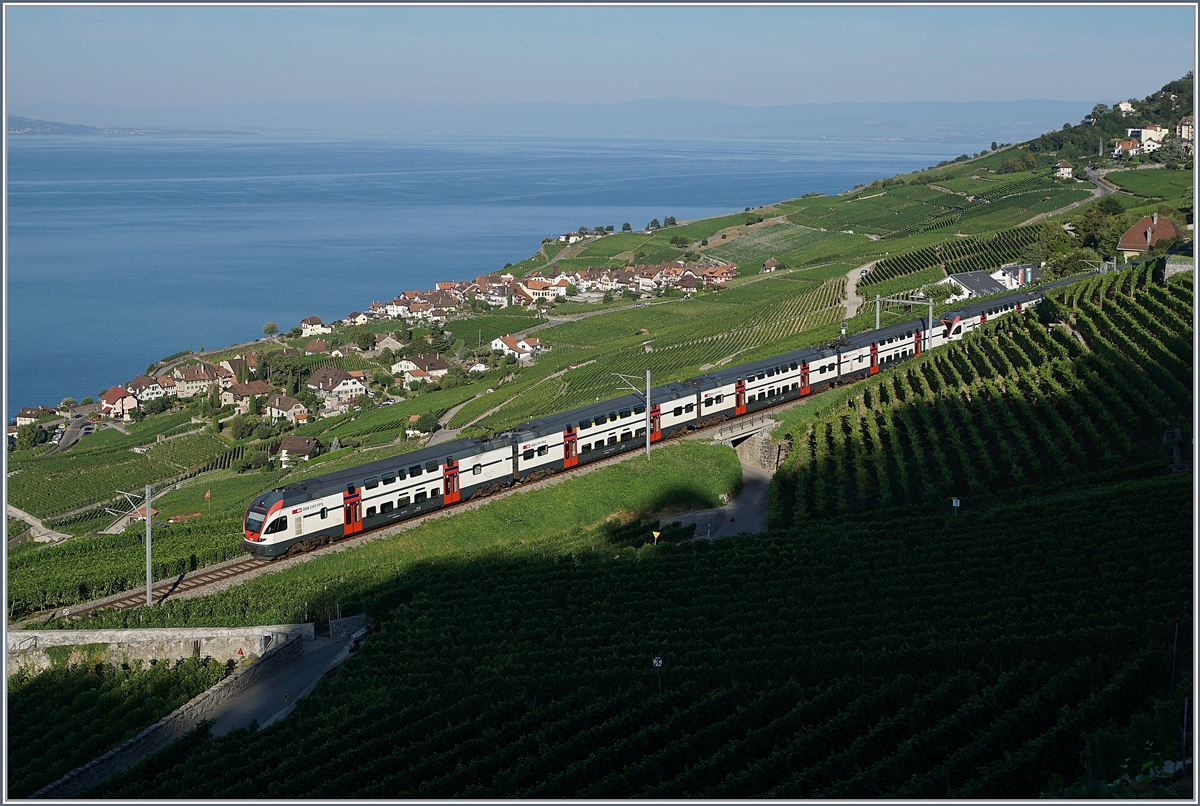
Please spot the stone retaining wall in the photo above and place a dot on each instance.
(342, 628)
(175, 724)
(37, 650)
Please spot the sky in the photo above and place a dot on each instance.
(110, 60)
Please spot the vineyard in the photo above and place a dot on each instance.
(967, 254)
(851, 658)
(64, 717)
(1016, 404)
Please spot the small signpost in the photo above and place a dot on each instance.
(656, 534)
(954, 503)
(658, 671)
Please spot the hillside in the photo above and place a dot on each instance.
(874, 643)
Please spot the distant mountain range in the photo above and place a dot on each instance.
(19, 125)
(944, 121)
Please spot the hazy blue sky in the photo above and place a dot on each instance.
(123, 57)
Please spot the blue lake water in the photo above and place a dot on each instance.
(123, 250)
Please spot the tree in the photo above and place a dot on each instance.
(608, 228)
(150, 369)
(1072, 262)
(608, 297)
(68, 403)
(387, 357)
(994, 145)
(241, 427)
(572, 290)
(30, 436)
(365, 340)
(653, 224)
(583, 230)
(669, 221)
(381, 379)
(626, 228)
(87, 401)
(263, 431)
(270, 328)
(426, 422)
(242, 374)
(1052, 240)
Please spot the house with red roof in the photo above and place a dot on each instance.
(1147, 232)
(117, 403)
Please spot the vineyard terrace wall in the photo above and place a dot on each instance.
(37, 650)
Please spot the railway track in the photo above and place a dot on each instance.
(194, 583)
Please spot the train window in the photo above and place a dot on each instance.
(771, 373)
(625, 413)
(720, 399)
(641, 432)
(370, 512)
(389, 477)
(528, 454)
(350, 489)
(626, 436)
(586, 448)
(639, 409)
(435, 492)
(585, 424)
(795, 387)
(957, 330)
(761, 375)
(277, 525)
(421, 496)
(770, 393)
(371, 483)
(477, 470)
(543, 450)
(612, 440)
(793, 366)
(678, 411)
(612, 416)
(324, 513)
(431, 466)
(386, 506)
(690, 407)
(708, 402)
(402, 474)
(414, 471)
(403, 501)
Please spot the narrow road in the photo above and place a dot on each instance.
(853, 300)
(40, 531)
(1103, 188)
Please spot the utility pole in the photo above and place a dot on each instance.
(149, 576)
(628, 381)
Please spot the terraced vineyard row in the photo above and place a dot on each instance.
(683, 359)
(850, 658)
(1014, 405)
(968, 254)
(65, 717)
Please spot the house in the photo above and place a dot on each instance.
(294, 449)
(28, 415)
(1064, 170)
(716, 275)
(384, 340)
(1148, 133)
(422, 368)
(315, 347)
(1015, 275)
(1184, 129)
(570, 238)
(1127, 148)
(283, 407)
(972, 284)
(770, 265)
(117, 403)
(194, 379)
(239, 395)
(1147, 232)
(313, 326)
(544, 289)
(167, 382)
(331, 383)
(357, 318)
(247, 360)
(509, 346)
(1124, 107)
(474, 366)
(145, 388)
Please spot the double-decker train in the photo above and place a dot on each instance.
(310, 513)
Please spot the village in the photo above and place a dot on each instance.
(244, 382)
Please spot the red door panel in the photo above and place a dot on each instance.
(739, 400)
(874, 358)
(655, 423)
(570, 448)
(450, 483)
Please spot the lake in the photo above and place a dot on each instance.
(125, 249)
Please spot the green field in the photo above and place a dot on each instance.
(1174, 187)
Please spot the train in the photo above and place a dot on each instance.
(313, 512)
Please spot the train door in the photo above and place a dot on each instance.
(874, 357)
(570, 447)
(351, 510)
(739, 398)
(655, 423)
(805, 389)
(1019, 308)
(983, 317)
(917, 345)
(450, 482)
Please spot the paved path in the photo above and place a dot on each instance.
(39, 530)
(265, 700)
(853, 300)
(745, 514)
